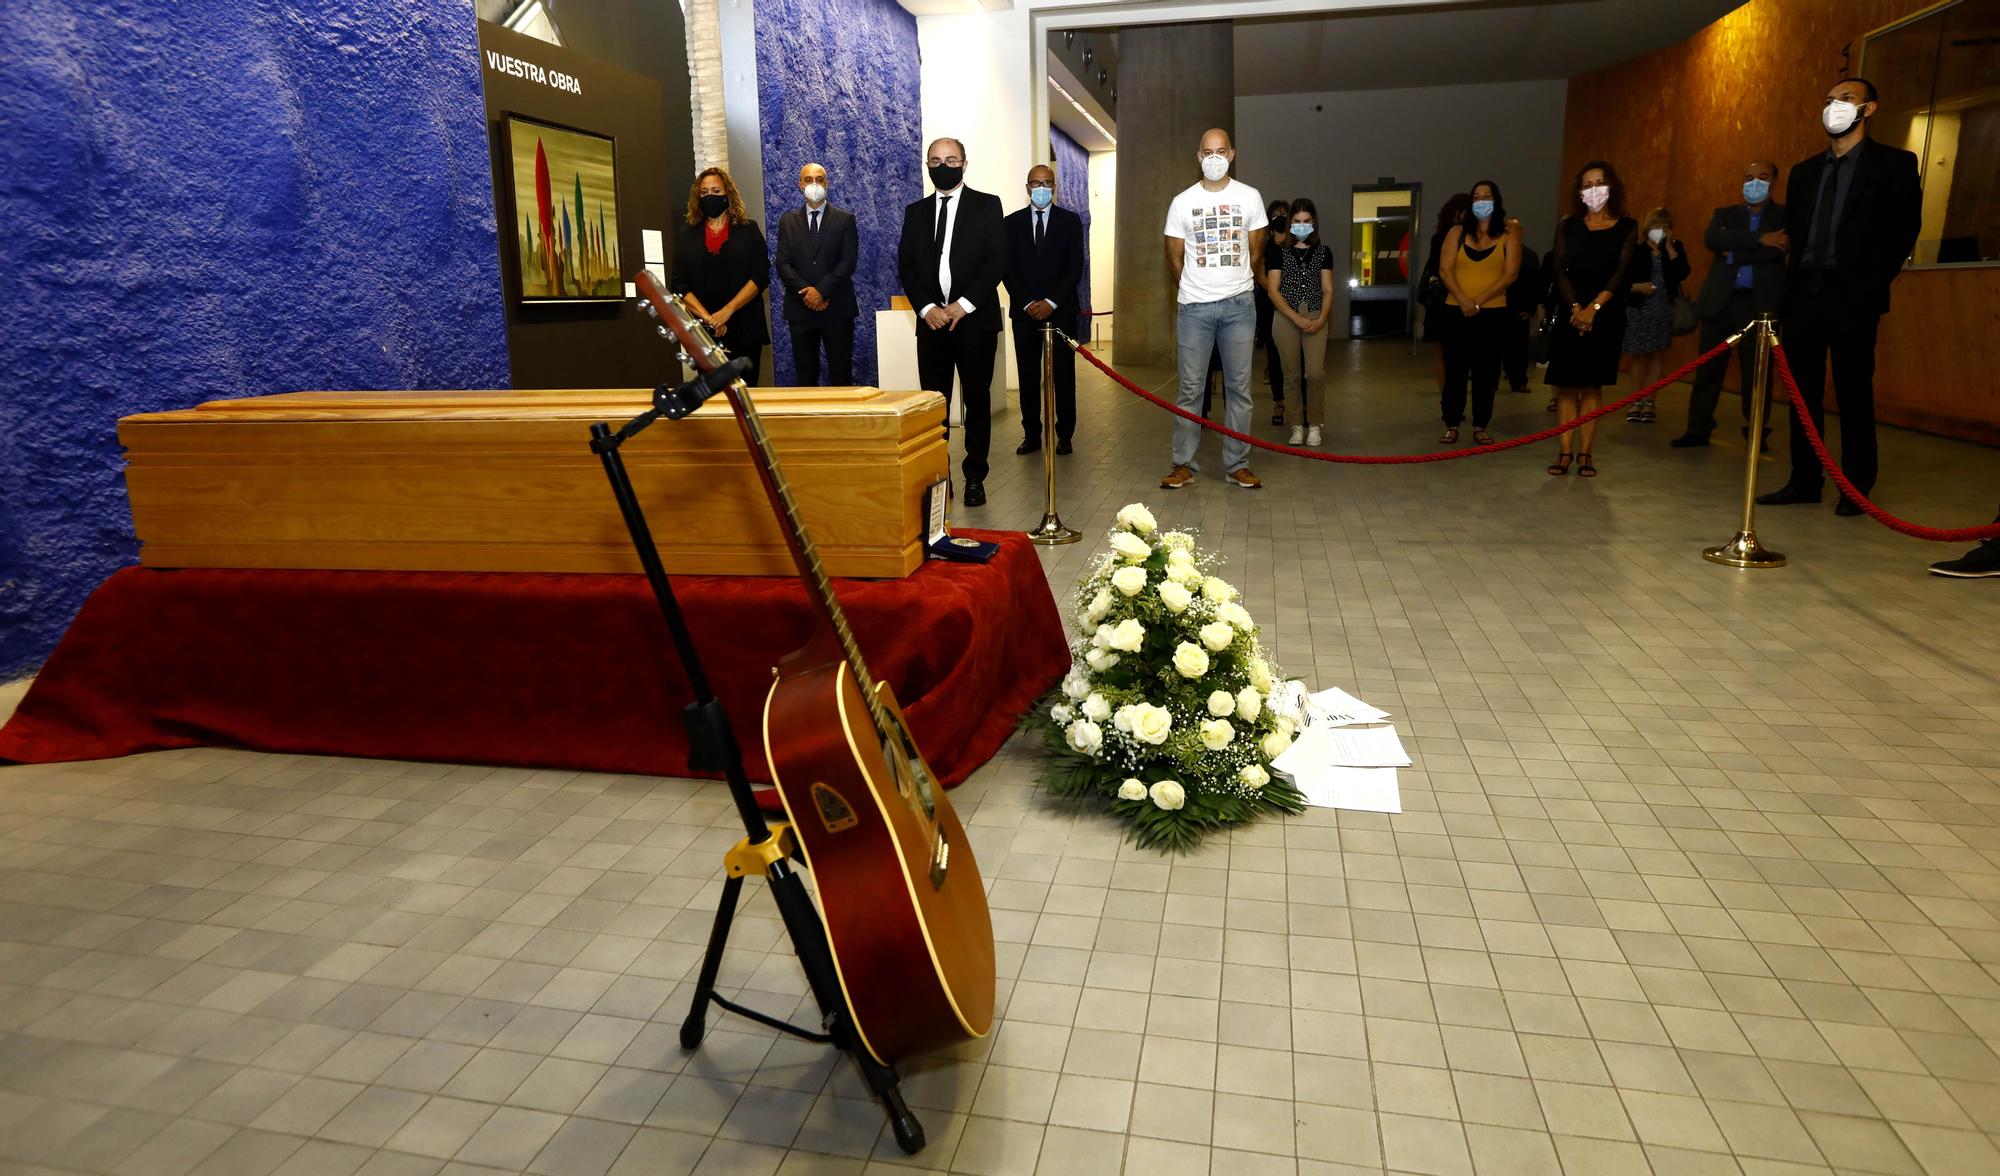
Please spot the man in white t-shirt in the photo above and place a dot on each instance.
(1215, 236)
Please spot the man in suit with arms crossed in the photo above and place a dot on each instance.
(817, 249)
(951, 258)
(1855, 211)
(1044, 273)
(1746, 279)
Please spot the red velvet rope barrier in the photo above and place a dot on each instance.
(1400, 458)
(1833, 470)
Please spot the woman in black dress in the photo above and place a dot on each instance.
(721, 268)
(1592, 262)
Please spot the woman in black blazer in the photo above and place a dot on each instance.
(721, 268)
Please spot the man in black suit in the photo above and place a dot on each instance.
(951, 258)
(1857, 209)
(817, 248)
(1044, 273)
(1746, 279)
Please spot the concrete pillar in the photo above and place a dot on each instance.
(1174, 82)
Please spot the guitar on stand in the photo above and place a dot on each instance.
(899, 950)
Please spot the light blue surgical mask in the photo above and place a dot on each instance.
(1043, 197)
(1481, 209)
(1301, 231)
(1756, 191)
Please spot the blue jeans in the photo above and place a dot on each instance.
(1229, 326)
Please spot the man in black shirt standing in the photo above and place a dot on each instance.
(1853, 213)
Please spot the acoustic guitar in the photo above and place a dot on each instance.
(900, 894)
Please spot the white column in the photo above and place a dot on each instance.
(705, 84)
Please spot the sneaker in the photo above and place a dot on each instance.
(1312, 437)
(1634, 415)
(1647, 415)
(1978, 564)
(1177, 477)
(1298, 435)
(1245, 479)
(1278, 415)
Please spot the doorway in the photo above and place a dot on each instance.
(1381, 298)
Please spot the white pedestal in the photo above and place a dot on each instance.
(896, 356)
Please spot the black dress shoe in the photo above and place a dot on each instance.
(1847, 508)
(1062, 448)
(1787, 496)
(1690, 441)
(1028, 445)
(975, 494)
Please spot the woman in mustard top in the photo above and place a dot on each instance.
(1480, 260)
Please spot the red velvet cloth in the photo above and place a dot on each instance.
(557, 671)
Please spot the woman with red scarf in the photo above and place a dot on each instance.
(721, 268)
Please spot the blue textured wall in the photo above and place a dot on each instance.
(837, 84)
(219, 199)
(1073, 193)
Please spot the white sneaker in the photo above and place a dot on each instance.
(1312, 437)
(1298, 435)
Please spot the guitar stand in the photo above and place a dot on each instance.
(766, 849)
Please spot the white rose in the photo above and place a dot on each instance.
(1216, 734)
(1217, 636)
(1168, 794)
(1100, 660)
(1177, 541)
(1289, 724)
(1254, 776)
(1085, 736)
(1249, 704)
(1132, 790)
(1095, 708)
(1122, 718)
(1061, 714)
(1217, 591)
(1130, 547)
(1076, 685)
(1260, 675)
(1129, 580)
(1186, 574)
(1275, 743)
(1175, 596)
(1236, 615)
(1099, 605)
(1177, 558)
(1102, 637)
(1152, 724)
(1222, 704)
(1128, 636)
(1138, 518)
(1191, 660)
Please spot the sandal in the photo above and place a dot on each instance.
(1561, 465)
(1481, 437)
(1583, 467)
(1450, 437)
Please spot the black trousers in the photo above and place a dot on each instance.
(837, 336)
(1514, 349)
(1821, 322)
(1734, 316)
(1472, 351)
(1028, 359)
(1274, 367)
(969, 354)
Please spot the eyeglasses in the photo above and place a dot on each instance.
(1220, 152)
(1040, 184)
(947, 161)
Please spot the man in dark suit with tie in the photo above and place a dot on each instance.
(817, 249)
(1857, 209)
(1044, 274)
(1746, 279)
(951, 258)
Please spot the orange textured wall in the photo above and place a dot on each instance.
(1681, 123)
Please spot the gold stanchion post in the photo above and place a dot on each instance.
(1744, 551)
(1050, 532)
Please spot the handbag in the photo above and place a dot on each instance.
(1684, 320)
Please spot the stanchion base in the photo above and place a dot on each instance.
(1052, 533)
(1744, 552)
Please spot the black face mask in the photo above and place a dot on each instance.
(714, 206)
(944, 179)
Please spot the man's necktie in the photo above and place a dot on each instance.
(814, 230)
(944, 206)
(1040, 226)
(1822, 237)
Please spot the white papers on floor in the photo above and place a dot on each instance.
(1334, 763)
(1337, 708)
(1372, 790)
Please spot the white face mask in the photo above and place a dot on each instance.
(815, 193)
(1656, 235)
(1214, 167)
(1596, 197)
(1839, 116)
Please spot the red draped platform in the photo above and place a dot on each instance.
(556, 671)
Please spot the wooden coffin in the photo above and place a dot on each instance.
(506, 482)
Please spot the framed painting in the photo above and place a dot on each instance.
(565, 212)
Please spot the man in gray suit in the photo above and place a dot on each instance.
(1746, 279)
(817, 250)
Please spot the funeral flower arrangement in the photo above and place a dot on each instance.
(1165, 712)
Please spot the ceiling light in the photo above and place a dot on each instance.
(1087, 116)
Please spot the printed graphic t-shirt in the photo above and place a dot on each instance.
(1216, 227)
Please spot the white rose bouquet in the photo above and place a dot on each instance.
(1163, 716)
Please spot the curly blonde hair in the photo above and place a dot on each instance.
(736, 214)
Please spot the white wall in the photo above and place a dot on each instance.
(975, 89)
(1103, 235)
(1444, 137)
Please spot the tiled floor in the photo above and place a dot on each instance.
(1699, 873)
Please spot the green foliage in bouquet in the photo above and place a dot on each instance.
(1165, 712)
